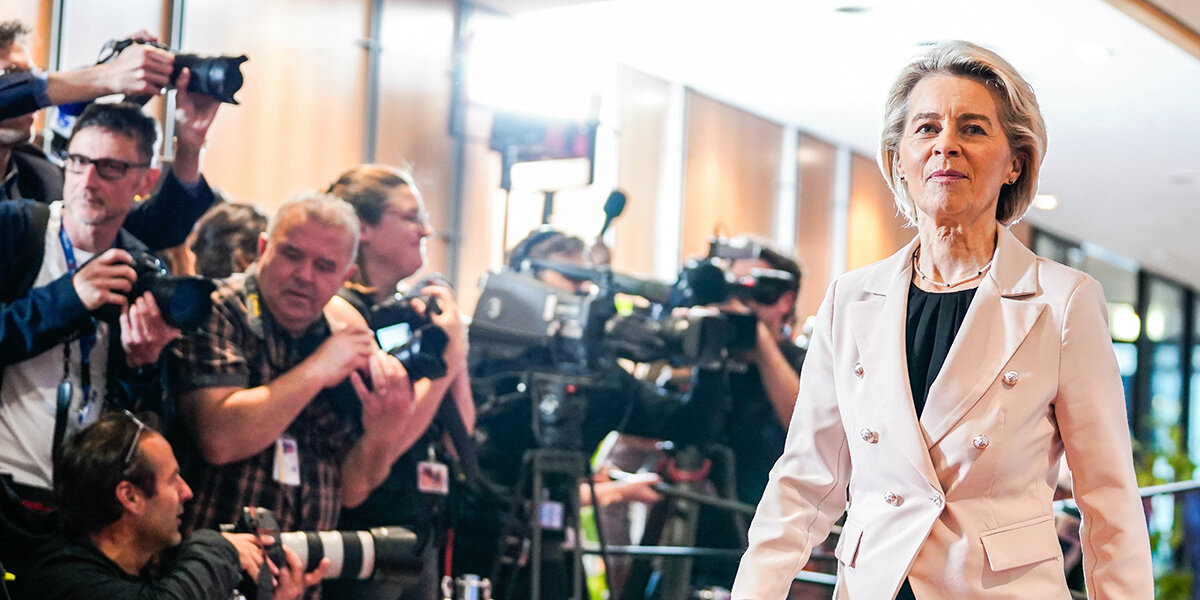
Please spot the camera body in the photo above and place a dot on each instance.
(410, 335)
(184, 301)
(216, 76)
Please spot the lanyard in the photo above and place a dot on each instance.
(86, 343)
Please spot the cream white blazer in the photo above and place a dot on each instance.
(959, 502)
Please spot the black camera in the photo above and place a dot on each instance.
(351, 554)
(184, 301)
(216, 76)
(410, 336)
(695, 339)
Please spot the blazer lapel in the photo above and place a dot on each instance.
(878, 325)
(994, 327)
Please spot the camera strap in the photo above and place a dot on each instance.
(87, 341)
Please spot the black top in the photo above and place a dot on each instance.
(204, 567)
(933, 321)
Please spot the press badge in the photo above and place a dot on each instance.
(433, 477)
(287, 461)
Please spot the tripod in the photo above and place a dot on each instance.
(674, 522)
(545, 468)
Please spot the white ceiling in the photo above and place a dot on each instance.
(1124, 153)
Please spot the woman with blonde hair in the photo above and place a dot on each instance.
(944, 384)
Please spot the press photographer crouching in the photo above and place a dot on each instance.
(121, 495)
(424, 331)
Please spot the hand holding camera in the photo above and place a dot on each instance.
(142, 69)
(389, 402)
(144, 332)
(348, 350)
(450, 321)
(106, 279)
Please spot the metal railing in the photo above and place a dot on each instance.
(675, 552)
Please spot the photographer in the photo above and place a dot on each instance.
(745, 404)
(59, 264)
(597, 397)
(165, 217)
(119, 488)
(394, 228)
(627, 406)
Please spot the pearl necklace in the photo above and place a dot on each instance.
(948, 284)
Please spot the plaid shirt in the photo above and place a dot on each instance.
(243, 346)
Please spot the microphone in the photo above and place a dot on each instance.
(613, 207)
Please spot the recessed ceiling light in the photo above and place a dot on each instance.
(1045, 202)
(851, 9)
(1186, 178)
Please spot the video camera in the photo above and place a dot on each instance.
(351, 554)
(516, 312)
(184, 301)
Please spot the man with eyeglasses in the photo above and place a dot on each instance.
(121, 495)
(59, 264)
(165, 217)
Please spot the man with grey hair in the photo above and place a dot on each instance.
(269, 389)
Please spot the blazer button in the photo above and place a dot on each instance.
(893, 499)
(858, 370)
(937, 500)
(868, 436)
(1011, 377)
(980, 442)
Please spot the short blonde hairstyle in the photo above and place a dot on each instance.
(325, 210)
(1020, 119)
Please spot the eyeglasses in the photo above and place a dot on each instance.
(109, 169)
(133, 444)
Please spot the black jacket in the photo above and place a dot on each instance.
(35, 320)
(204, 567)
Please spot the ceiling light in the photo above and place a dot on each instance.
(852, 9)
(1045, 202)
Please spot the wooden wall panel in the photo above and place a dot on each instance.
(876, 229)
(642, 106)
(482, 247)
(35, 14)
(301, 118)
(415, 97)
(730, 173)
(816, 164)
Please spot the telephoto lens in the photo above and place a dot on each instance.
(356, 554)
